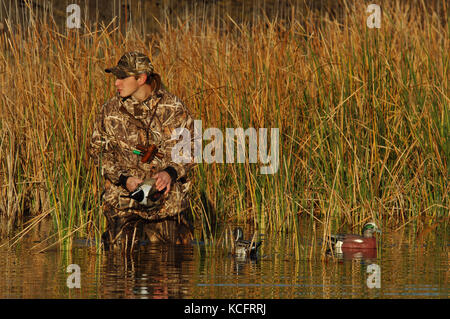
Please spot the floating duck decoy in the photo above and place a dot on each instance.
(244, 248)
(356, 242)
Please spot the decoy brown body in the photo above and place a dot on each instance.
(352, 241)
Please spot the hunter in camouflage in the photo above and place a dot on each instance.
(142, 113)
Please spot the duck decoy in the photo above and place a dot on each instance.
(351, 241)
(244, 248)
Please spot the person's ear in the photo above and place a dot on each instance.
(142, 78)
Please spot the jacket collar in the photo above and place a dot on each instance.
(139, 109)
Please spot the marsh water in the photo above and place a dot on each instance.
(406, 264)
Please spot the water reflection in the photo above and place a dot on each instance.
(153, 272)
(401, 267)
(243, 265)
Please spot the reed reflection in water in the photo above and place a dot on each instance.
(408, 268)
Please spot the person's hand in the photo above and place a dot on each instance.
(133, 182)
(163, 180)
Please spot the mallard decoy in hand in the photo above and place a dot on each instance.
(243, 248)
(351, 241)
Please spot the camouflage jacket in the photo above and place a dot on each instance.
(120, 126)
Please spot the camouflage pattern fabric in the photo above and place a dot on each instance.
(132, 63)
(115, 136)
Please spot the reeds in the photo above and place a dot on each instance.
(363, 116)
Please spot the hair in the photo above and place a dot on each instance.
(152, 78)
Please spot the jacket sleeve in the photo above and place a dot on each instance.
(103, 150)
(177, 117)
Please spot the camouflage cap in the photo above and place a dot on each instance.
(131, 63)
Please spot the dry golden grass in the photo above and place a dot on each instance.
(363, 116)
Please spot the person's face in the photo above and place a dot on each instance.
(127, 86)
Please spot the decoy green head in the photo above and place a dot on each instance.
(369, 229)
